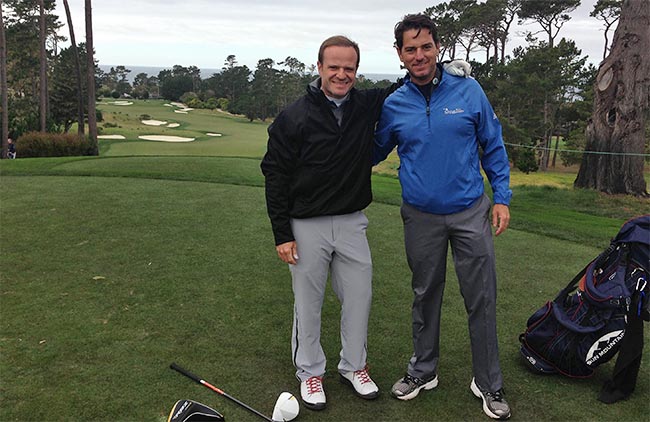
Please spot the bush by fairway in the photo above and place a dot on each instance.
(113, 267)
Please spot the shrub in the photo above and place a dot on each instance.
(115, 94)
(39, 144)
(526, 161)
(211, 103)
(206, 94)
(189, 96)
(222, 103)
(104, 91)
(195, 103)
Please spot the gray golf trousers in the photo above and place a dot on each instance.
(426, 237)
(336, 245)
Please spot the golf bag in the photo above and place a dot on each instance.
(591, 318)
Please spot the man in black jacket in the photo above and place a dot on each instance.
(317, 171)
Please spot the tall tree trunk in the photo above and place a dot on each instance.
(503, 51)
(90, 54)
(555, 150)
(616, 130)
(80, 101)
(4, 102)
(546, 150)
(43, 65)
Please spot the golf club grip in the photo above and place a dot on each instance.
(185, 372)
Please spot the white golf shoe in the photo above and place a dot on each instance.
(312, 393)
(361, 382)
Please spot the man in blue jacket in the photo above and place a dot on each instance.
(439, 122)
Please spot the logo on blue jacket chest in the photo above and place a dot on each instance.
(456, 110)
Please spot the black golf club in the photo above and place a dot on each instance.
(190, 375)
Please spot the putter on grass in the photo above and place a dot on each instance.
(191, 411)
(286, 407)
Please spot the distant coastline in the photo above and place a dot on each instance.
(208, 72)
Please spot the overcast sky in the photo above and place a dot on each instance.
(204, 32)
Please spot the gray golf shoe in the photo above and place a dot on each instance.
(408, 387)
(494, 404)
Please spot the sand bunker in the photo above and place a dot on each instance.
(173, 125)
(213, 134)
(154, 122)
(183, 108)
(161, 138)
(111, 137)
(121, 103)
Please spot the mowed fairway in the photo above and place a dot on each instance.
(114, 267)
(239, 136)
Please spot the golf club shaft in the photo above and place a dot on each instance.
(191, 376)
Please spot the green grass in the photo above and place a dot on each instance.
(240, 137)
(114, 267)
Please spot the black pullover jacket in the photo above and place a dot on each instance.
(314, 167)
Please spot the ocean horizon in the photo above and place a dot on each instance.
(208, 72)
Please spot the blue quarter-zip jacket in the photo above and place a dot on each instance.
(438, 145)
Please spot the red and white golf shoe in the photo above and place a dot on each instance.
(361, 382)
(312, 393)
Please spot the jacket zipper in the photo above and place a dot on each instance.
(428, 100)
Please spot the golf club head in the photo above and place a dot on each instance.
(286, 408)
(191, 411)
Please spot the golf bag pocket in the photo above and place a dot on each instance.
(572, 338)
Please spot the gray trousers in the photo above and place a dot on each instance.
(335, 245)
(426, 237)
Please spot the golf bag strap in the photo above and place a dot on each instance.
(628, 363)
(559, 299)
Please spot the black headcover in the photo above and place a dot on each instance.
(191, 411)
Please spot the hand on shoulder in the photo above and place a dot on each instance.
(458, 68)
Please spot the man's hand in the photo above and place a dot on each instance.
(458, 68)
(288, 252)
(500, 218)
